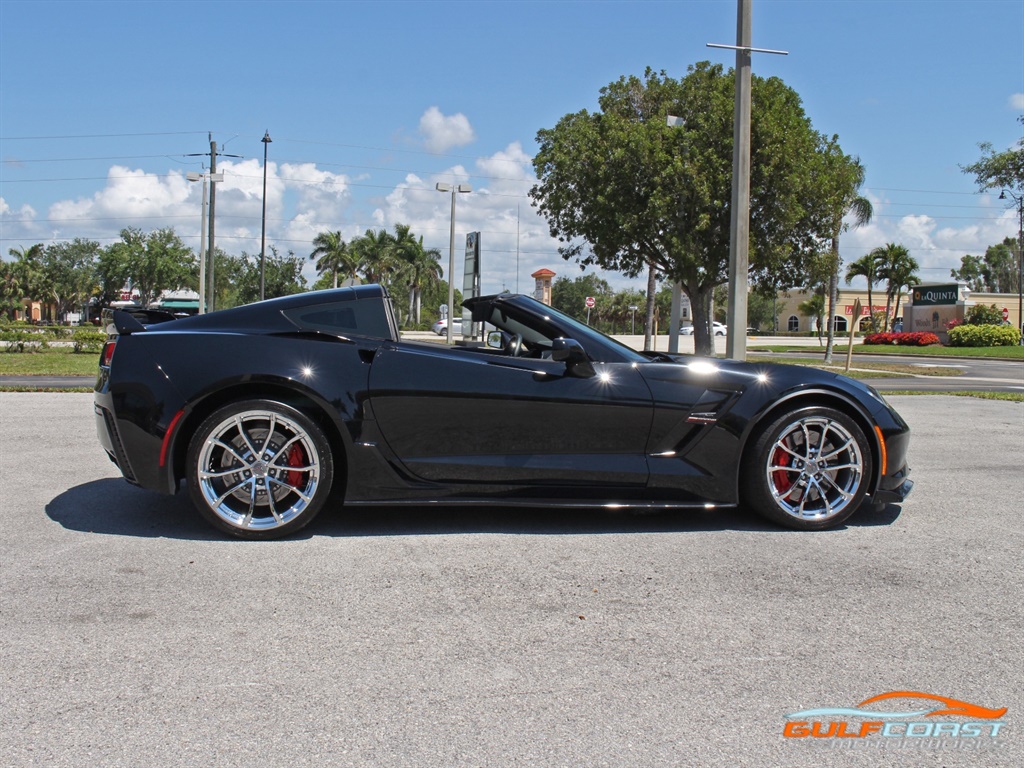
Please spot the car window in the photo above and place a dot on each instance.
(362, 318)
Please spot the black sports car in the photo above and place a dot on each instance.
(268, 410)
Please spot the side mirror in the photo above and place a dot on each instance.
(496, 340)
(571, 352)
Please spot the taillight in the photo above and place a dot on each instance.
(108, 353)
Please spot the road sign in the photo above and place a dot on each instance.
(591, 301)
(1006, 314)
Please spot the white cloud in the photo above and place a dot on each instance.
(1017, 101)
(441, 133)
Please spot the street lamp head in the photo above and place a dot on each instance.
(465, 188)
(1002, 194)
(193, 176)
(266, 137)
(442, 187)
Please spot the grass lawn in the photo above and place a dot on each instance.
(995, 353)
(1013, 397)
(52, 362)
(863, 370)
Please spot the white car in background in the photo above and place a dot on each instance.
(717, 329)
(441, 327)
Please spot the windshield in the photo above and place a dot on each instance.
(540, 324)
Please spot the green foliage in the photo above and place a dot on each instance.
(984, 336)
(23, 341)
(87, 340)
(762, 310)
(979, 314)
(625, 191)
(999, 170)
(333, 259)
(995, 272)
(898, 270)
(237, 278)
(67, 274)
(148, 263)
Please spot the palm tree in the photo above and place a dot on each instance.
(376, 255)
(867, 267)
(897, 268)
(854, 207)
(334, 255)
(814, 307)
(26, 276)
(419, 265)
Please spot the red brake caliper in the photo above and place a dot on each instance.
(780, 478)
(296, 458)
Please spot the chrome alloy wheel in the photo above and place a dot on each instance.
(258, 470)
(815, 468)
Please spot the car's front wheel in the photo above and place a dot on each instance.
(807, 469)
(259, 469)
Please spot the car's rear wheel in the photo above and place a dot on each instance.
(807, 469)
(259, 469)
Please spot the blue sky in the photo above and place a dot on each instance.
(370, 103)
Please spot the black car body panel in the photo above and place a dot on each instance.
(417, 421)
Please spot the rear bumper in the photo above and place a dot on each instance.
(110, 440)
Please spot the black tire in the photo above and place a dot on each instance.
(808, 469)
(258, 469)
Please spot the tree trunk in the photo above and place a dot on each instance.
(833, 298)
(652, 286)
(701, 298)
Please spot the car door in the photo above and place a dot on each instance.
(460, 415)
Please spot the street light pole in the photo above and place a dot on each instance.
(263, 231)
(454, 189)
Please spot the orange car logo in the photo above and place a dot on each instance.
(946, 706)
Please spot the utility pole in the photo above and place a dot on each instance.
(213, 177)
(213, 201)
(739, 238)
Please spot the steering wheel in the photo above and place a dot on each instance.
(514, 345)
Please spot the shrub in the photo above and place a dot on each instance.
(87, 340)
(982, 315)
(984, 336)
(22, 341)
(909, 339)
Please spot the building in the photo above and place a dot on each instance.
(926, 307)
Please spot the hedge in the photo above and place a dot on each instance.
(984, 336)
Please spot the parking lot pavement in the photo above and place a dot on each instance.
(132, 634)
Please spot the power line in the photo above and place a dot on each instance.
(101, 136)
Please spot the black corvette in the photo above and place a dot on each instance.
(270, 410)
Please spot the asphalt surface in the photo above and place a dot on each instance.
(134, 635)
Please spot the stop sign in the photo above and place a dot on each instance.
(1006, 314)
(591, 301)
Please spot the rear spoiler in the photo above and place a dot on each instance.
(125, 322)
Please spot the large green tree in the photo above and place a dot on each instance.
(623, 190)
(995, 272)
(69, 274)
(999, 170)
(282, 277)
(148, 263)
(570, 297)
